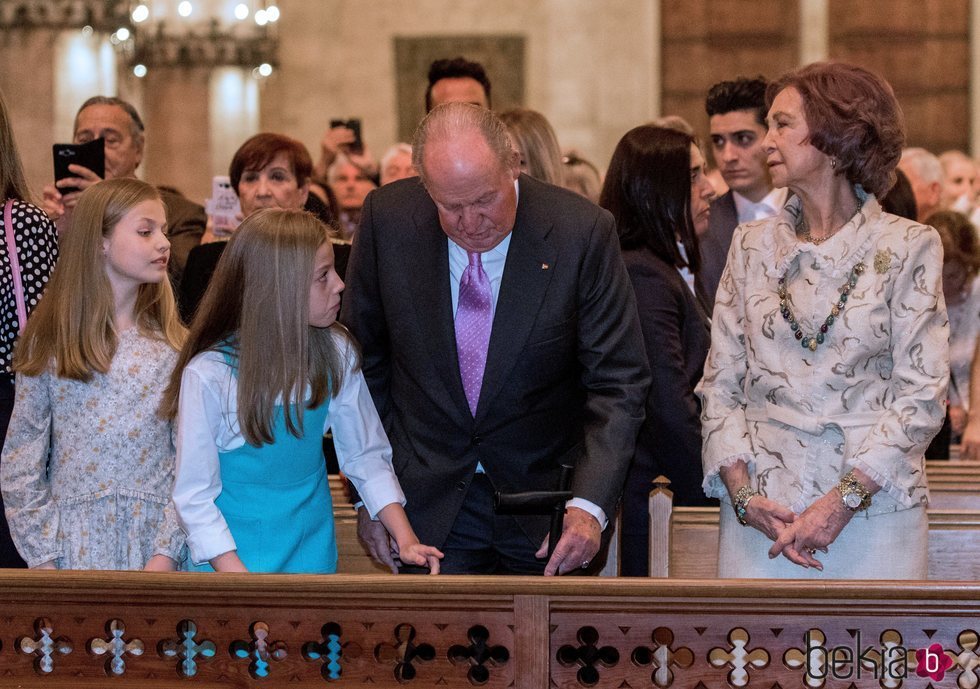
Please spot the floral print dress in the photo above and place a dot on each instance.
(871, 396)
(88, 468)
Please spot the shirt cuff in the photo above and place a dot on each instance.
(205, 550)
(591, 508)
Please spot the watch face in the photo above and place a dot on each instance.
(852, 500)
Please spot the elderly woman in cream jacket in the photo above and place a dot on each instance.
(828, 367)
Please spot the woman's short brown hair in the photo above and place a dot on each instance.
(853, 116)
(258, 151)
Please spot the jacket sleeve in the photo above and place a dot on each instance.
(615, 374)
(725, 435)
(672, 427)
(892, 452)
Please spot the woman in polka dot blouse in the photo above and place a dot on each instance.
(37, 250)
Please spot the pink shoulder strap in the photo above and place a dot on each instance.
(14, 264)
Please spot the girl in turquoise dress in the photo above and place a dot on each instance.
(265, 371)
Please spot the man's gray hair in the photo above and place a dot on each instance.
(450, 120)
(924, 165)
(135, 122)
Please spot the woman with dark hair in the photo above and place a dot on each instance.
(28, 251)
(828, 367)
(657, 191)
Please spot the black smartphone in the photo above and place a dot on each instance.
(90, 155)
(354, 124)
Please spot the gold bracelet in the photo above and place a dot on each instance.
(741, 502)
(854, 495)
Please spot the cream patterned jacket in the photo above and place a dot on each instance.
(871, 396)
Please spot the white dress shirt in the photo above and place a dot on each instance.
(207, 424)
(767, 207)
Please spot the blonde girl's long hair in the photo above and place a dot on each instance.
(73, 327)
(258, 305)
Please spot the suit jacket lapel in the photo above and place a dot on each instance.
(530, 265)
(429, 267)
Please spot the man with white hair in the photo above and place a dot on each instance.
(396, 163)
(500, 340)
(925, 174)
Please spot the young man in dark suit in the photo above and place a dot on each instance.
(737, 117)
(500, 339)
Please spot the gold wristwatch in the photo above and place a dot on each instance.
(853, 493)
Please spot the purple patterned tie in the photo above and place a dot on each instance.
(474, 318)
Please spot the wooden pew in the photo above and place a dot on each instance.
(684, 541)
(94, 630)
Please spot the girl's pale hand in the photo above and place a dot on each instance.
(228, 562)
(160, 563)
(768, 516)
(45, 565)
(421, 555)
(815, 529)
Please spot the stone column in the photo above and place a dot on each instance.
(178, 146)
(27, 82)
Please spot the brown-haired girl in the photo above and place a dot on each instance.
(88, 463)
(265, 371)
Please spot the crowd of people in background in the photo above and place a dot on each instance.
(479, 307)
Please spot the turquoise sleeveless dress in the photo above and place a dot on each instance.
(276, 499)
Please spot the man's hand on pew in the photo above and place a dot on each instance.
(578, 544)
(374, 536)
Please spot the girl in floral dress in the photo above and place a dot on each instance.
(88, 462)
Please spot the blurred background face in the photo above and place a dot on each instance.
(960, 178)
(459, 90)
(351, 186)
(399, 167)
(273, 186)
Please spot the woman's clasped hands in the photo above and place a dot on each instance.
(812, 530)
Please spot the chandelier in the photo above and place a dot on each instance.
(200, 33)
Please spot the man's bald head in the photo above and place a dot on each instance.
(451, 121)
(468, 166)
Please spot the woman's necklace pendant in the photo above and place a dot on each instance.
(813, 341)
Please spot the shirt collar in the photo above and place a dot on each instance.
(769, 205)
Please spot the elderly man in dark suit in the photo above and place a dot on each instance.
(500, 339)
(737, 117)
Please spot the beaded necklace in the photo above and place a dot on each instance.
(812, 341)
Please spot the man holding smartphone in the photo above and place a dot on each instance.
(119, 124)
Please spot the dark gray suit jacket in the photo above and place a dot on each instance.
(566, 375)
(714, 244)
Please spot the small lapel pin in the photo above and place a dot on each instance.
(544, 266)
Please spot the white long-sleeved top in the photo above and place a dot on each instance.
(208, 424)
